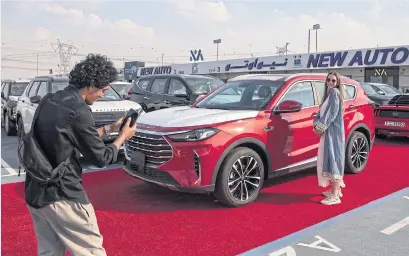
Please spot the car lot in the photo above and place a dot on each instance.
(137, 218)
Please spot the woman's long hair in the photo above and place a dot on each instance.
(340, 88)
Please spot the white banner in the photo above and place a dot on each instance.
(373, 57)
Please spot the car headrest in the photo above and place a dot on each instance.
(264, 91)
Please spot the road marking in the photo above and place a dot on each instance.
(407, 197)
(395, 227)
(7, 167)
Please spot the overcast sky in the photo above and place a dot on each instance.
(144, 30)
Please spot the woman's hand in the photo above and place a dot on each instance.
(318, 131)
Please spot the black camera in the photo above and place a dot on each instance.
(133, 115)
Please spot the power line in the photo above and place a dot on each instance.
(22, 68)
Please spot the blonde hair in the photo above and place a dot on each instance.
(340, 88)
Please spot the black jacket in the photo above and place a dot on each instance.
(65, 126)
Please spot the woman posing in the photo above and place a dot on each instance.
(329, 125)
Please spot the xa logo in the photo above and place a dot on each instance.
(196, 55)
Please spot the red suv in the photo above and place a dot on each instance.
(250, 129)
(393, 117)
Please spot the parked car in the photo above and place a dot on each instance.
(384, 89)
(155, 92)
(122, 88)
(228, 143)
(105, 110)
(393, 117)
(11, 90)
(374, 95)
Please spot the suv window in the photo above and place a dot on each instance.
(242, 95)
(320, 89)
(33, 89)
(6, 89)
(175, 85)
(57, 86)
(143, 84)
(158, 85)
(301, 92)
(17, 89)
(349, 91)
(42, 90)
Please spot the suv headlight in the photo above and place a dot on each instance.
(195, 135)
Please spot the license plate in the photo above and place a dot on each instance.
(395, 124)
(138, 158)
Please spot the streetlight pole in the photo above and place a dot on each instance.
(309, 39)
(217, 42)
(316, 27)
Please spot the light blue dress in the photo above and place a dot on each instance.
(331, 152)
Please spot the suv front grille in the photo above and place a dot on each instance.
(394, 114)
(156, 149)
(151, 174)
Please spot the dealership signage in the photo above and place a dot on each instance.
(359, 58)
(162, 70)
(376, 57)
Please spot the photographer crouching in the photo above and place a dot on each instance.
(63, 127)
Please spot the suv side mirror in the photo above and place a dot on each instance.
(381, 92)
(180, 93)
(288, 106)
(126, 97)
(35, 99)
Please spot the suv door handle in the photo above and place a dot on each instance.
(352, 107)
(166, 101)
(146, 98)
(314, 114)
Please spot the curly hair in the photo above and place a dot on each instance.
(96, 70)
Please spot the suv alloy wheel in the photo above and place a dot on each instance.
(240, 178)
(357, 153)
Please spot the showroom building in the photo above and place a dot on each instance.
(389, 65)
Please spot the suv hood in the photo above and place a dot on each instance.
(188, 116)
(108, 106)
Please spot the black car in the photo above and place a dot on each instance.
(374, 95)
(155, 92)
(11, 90)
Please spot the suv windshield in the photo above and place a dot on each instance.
(368, 89)
(389, 89)
(110, 95)
(121, 88)
(242, 95)
(202, 85)
(18, 88)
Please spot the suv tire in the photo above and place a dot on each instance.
(9, 126)
(357, 153)
(237, 162)
(20, 128)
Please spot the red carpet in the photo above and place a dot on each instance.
(136, 218)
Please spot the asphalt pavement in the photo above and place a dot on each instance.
(380, 228)
(10, 162)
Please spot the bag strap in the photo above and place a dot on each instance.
(37, 112)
